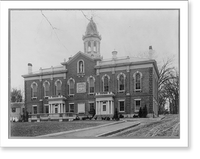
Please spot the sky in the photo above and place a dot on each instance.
(45, 38)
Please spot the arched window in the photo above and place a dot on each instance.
(46, 86)
(95, 46)
(138, 81)
(91, 81)
(89, 46)
(58, 85)
(34, 90)
(80, 66)
(121, 82)
(71, 84)
(105, 80)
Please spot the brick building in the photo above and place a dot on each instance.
(87, 81)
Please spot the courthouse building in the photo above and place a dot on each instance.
(87, 81)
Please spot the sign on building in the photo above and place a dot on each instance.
(81, 87)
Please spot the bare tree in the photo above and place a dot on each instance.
(168, 87)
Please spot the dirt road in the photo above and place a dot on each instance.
(168, 127)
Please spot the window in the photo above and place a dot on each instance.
(13, 110)
(56, 110)
(137, 81)
(46, 109)
(122, 106)
(104, 106)
(71, 107)
(58, 85)
(95, 46)
(46, 86)
(71, 84)
(121, 82)
(137, 105)
(91, 81)
(91, 106)
(89, 46)
(34, 109)
(105, 79)
(34, 90)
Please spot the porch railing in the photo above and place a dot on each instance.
(49, 116)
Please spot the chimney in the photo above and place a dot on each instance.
(114, 54)
(151, 51)
(29, 68)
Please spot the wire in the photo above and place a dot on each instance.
(85, 15)
(54, 29)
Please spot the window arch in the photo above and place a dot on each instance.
(106, 80)
(80, 66)
(137, 81)
(91, 81)
(121, 82)
(46, 86)
(34, 87)
(58, 85)
(95, 46)
(89, 46)
(71, 83)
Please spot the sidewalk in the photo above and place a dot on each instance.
(95, 131)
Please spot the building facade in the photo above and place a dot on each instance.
(86, 81)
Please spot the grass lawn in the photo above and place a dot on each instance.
(27, 129)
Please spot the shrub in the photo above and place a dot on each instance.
(116, 115)
(140, 113)
(144, 111)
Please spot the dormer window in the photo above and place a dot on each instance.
(80, 67)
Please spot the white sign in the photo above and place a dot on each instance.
(81, 108)
(81, 87)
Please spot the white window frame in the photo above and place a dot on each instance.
(88, 80)
(32, 90)
(104, 104)
(121, 100)
(118, 77)
(56, 85)
(134, 77)
(90, 103)
(68, 82)
(135, 104)
(45, 96)
(33, 109)
(70, 108)
(108, 81)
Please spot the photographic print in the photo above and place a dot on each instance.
(106, 73)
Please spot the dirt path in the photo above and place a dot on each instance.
(168, 127)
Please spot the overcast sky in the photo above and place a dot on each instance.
(130, 32)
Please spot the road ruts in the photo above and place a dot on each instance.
(169, 127)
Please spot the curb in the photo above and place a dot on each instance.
(77, 130)
(116, 131)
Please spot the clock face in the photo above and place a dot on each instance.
(81, 87)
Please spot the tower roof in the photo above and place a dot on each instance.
(91, 28)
